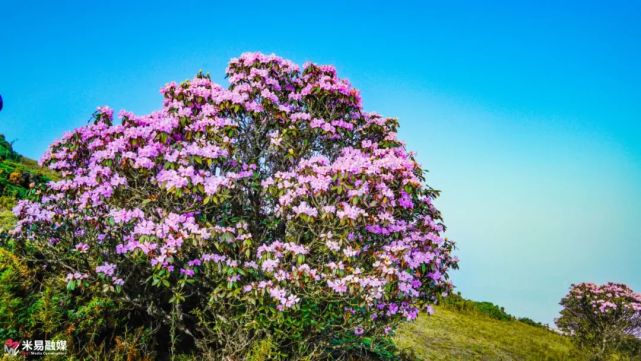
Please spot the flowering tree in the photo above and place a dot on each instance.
(273, 209)
(601, 316)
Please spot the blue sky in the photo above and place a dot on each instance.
(528, 116)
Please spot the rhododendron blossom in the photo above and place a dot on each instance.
(600, 316)
(278, 193)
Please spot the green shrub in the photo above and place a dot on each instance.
(531, 322)
(493, 311)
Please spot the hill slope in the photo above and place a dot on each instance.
(456, 335)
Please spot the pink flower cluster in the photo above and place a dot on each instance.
(610, 297)
(280, 185)
(600, 314)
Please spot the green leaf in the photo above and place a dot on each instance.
(227, 237)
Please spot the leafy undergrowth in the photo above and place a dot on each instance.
(454, 335)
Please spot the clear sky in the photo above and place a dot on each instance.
(527, 116)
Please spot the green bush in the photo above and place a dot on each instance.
(493, 311)
(531, 322)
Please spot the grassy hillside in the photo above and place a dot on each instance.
(451, 334)
(463, 329)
